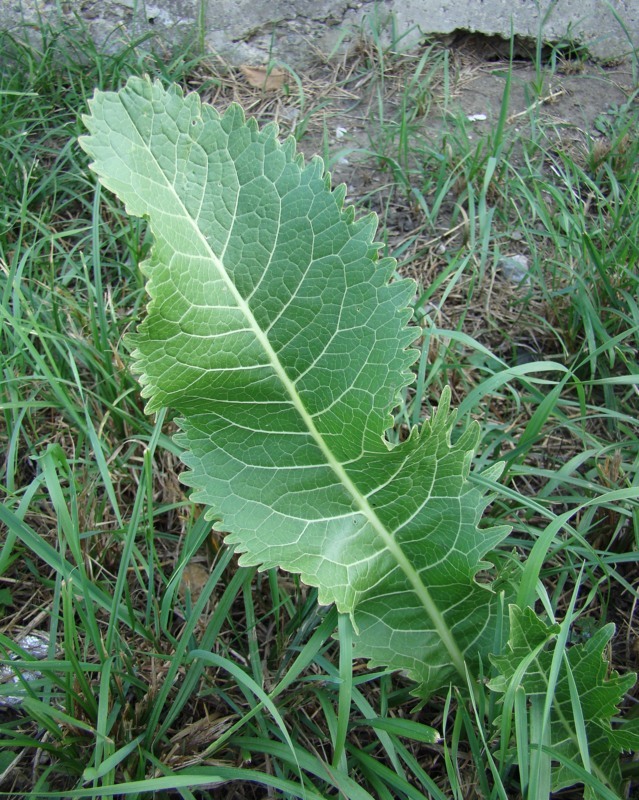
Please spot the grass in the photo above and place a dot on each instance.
(168, 671)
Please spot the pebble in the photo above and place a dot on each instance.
(514, 268)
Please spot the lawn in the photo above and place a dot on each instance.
(138, 658)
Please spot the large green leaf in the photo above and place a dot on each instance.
(275, 332)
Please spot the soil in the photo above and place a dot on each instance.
(574, 100)
(336, 109)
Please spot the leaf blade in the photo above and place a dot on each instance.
(274, 330)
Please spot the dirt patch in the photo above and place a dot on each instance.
(572, 100)
(343, 110)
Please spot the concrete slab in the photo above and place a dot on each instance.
(293, 31)
(245, 31)
(111, 23)
(609, 29)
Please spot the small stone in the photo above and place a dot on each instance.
(514, 268)
(37, 646)
(194, 579)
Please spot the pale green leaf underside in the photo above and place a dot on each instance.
(274, 331)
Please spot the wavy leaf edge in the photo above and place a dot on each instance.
(133, 135)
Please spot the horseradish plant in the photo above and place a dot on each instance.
(275, 332)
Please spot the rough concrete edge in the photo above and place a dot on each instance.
(333, 27)
(110, 32)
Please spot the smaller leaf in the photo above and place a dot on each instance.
(599, 691)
